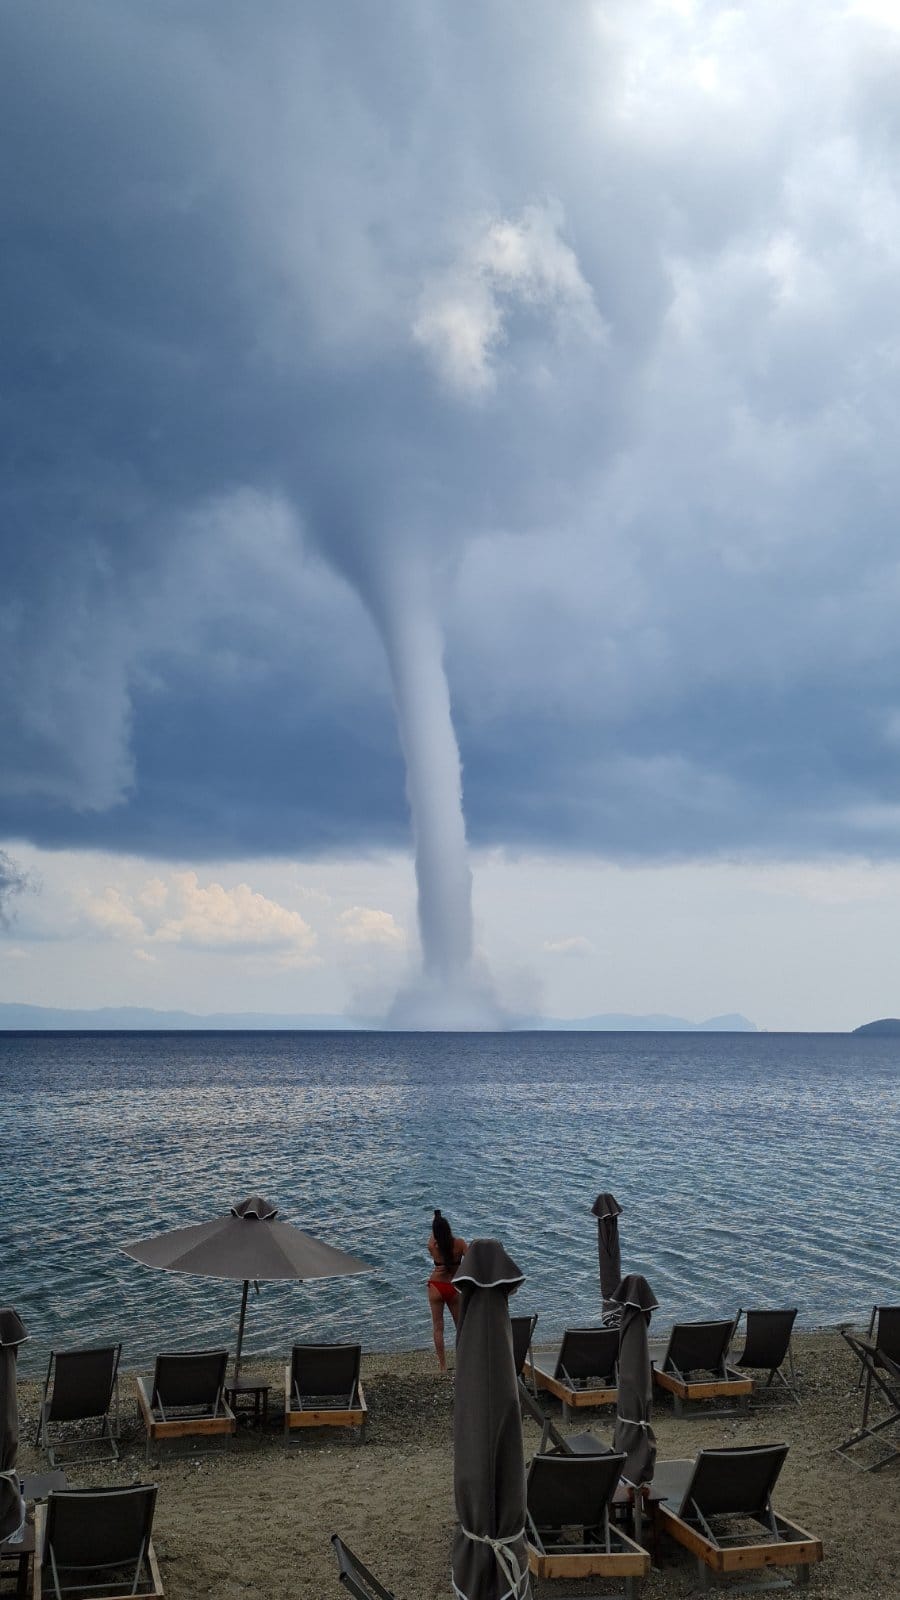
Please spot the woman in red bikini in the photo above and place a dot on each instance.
(446, 1253)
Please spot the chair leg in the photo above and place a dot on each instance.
(802, 1577)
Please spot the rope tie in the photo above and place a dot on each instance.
(633, 1422)
(506, 1560)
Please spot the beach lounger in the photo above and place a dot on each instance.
(80, 1386)
(767, 1347)
(522, 1335)
(568, 1528)
(355, 1577)
(719, 1507)
(694, 1349)
(584, 1371)
(322, 1388)
(565, 1444)
(882, 1376)
(186, 1399)
(883, 1335)
(96, 1542)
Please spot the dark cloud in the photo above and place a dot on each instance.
(661, 518)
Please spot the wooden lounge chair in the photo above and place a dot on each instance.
(568, 1528)
(362, 1584)
(883, 1376)
(187, 1398)
(96, 1542)
(322, 1388)
(80, 1386)
(719, 1507)
(767, 1347)
(584, 1371)
(694, 1365)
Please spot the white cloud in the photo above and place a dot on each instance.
(199, 916)
(366, 925)
(462, 314)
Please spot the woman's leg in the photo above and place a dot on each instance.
(437, 1325)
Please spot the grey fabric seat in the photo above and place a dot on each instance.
(583, 1372)
(80, 1386)
(362, 1584)
(720, 1508)
(569, 1529)
(97, 1542)
(522, 1335)
(694, 1365)
(322, 1388)
(767, 1347)
(186, 1398)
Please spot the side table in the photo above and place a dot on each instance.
(258, 1389)
(21, 1552)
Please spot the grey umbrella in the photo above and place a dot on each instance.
(12, 1506)
(489, 1560)
(633, 1432)
(607, 1210)
(249, 1245)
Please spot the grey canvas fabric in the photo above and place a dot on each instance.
(249, 1245)
(607, 1210)
(12, 1508)
(633, 1432)
(489, 1558)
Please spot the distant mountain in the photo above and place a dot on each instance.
(123, 1019)
(616, 1022)
(886, 1028)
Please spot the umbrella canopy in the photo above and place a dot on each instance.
(249, 1245)
(607, 1210)
(489, 1560)
(12, 1506)
(633, 1432)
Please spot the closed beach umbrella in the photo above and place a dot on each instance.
(489, 1559)
(633, 1432)
(12, 1506)
(607, 1210)
(248, 1244)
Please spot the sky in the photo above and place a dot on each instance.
(579, 321)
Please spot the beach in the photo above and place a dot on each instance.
(256, 1519)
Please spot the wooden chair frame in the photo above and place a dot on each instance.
(354, 1413)
(108, 1592)
(549, 1374)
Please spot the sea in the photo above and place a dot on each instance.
(752, 1170)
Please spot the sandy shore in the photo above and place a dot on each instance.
(257, 1519)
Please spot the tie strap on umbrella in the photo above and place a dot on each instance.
(506, 1560)
(12, 1478)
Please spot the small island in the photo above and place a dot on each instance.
(886, 1028)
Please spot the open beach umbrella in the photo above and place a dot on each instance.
(607, 1210)
(489, 1559)
(12, 1506)
(633, 1432)
(249, 1245)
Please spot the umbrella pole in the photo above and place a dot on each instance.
(240, 1337)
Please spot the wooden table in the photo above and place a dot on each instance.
(259, 1389)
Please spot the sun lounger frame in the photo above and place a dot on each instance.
(884, 1374)
(725, 1383)
(550, 1375)
(57, 1390)
(147, 1560)
(612, 1555)
(362, 1584)
(354, 1413)
(199, 1419)
(721, 1554)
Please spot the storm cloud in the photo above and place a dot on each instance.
(585, 311)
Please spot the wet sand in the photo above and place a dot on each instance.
(256, 1520)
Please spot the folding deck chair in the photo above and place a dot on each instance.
(883, 1335)
(522, 1335)
(700, 1347)
(567, 1525)
(187, 1398)
(767, 1347)
(564, 1444)
(96, 1542)
(583, 1373)
(80, 1386)
(362, 1584)
(719, 1507)
(882, 1374)
(322, 1388)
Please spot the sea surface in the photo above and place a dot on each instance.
(752, 1169)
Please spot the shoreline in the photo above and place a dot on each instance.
(256, 1519)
